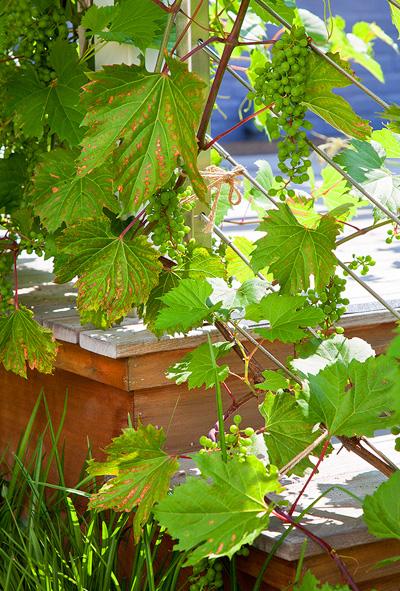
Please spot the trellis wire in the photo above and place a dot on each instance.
(394, 3)
(318, 151)
(316, 49)
(222, 152)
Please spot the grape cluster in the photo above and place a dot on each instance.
(238, 440)
(331, 301)
(392, 234)
(34, 242)
(6, 286)
(363, 262)
(30, 30)
(207, 575)
(166, 214)
(281, 83)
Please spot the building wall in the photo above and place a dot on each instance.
(232, 93)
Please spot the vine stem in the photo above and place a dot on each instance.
(171, 8)
(220, 410)
(132, 223)
(230, 44)
(287, 518)
(362, 231)
(237, 125)
(303, 454)
(165, 39)
(187, 26)
(313, 472)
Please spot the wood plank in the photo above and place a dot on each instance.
(95, 412)
(113, 372)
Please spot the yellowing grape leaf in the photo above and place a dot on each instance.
(61, 196)
(114, 273)
(288, 316)
(147, 122)
(23, 342)
(141, 473)
(197, 368)
(293, 252)
(322, 77)
(215, 515)
(354, 399)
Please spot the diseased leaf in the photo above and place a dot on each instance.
(354, 399)
(147, 123)
(60, 196)
(57, 104)
(197, 367)
(294, 253)
(335, 348)
(321, 78)
(286, 433)
(114, 274)
(217, 514)
(382, 509)
(24, 343)
(186, 307)
(289, 317)
(141, 473)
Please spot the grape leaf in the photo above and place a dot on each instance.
(215, 515)
(186, 307)
(13, 176)
(285, 9)
(335, 348)
(364, 164)
(389, 140)
(288, 316)
(197, 368)
(392, 115)
(147, 122)
(23, 342)
(60, 196)
(311, 583)
(335, 192)
(141, 472)
(286, 433)
(354, 399)
(273, 381)
(128, 22)
(322, 77)
(56, 104)
(114, 274)
(395, 12)
(293, 252)
(382, 509)
(250, 292)
(236, 267)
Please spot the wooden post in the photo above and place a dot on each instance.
(200, 64)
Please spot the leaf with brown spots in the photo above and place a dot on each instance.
(216, 514)
(23, 342)
(61, 196)
(114, 274)
(147, 122)
(141, 473)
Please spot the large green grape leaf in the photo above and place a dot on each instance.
(129, 21)
(234, 298)
(286, 433)
(114, 273)
(23, 342)
(354, 399)
(322, 77)
(215, 515)
(310, 583)
(147, 122)
(61, 196)
(289, 317)
(382, 509)
(197, 368)
(294, 252)
(285, 9)
(335, 348)
(186, 307)
(56, 104)
(141, 472)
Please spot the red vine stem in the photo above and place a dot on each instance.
(229, 391)
(314, 471)
(286, 518)
(236, 126)
(173, 8)
(231, 42)
(187, 26)
(132, 223)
